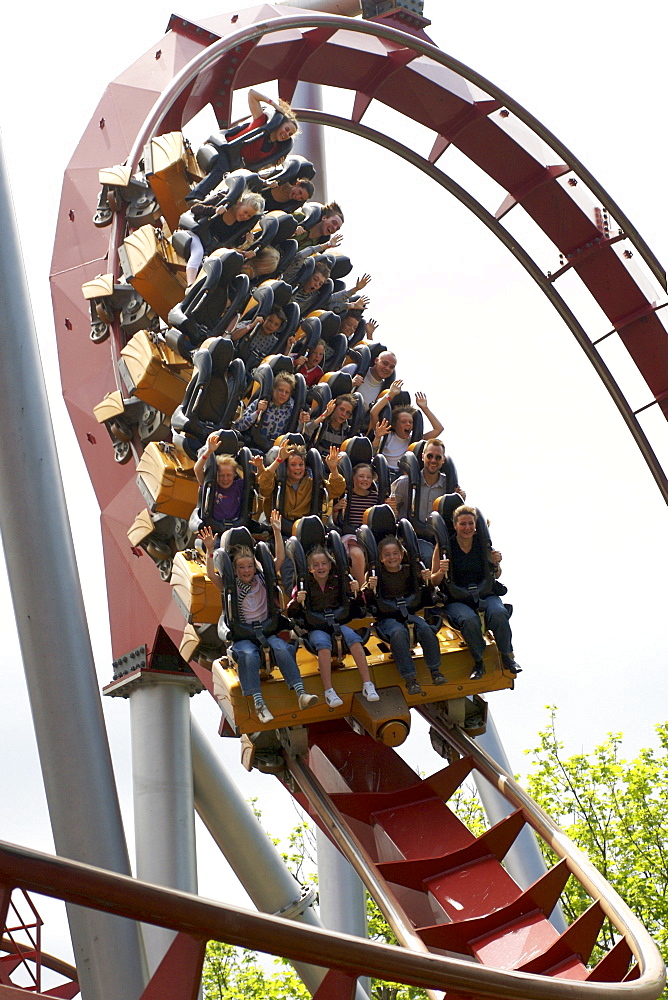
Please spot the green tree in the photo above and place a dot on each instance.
(616, 811)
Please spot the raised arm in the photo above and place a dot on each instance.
(209, 541)
(254, 105)
(212, 443)
(382, 401)
(380, 430)
(436, 425)
(279, 547)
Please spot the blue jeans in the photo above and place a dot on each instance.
(426, 551)
(396, 633)
(466, 620)
(323, 640)
(249, 661)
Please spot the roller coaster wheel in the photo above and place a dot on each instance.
(165, 567)
(102, 218)
(99, 332)
(122, 452)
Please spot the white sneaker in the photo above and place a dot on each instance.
(307, 700)
(369, 691)
(263, 713)
(332, 698)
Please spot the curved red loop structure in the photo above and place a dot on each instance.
(202, 64)
(195, 65)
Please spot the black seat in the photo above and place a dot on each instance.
(308, 533)
(211, 397)
(203, 513)
(209, 305)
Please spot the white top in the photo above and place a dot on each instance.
(394, 448)
(369, 389)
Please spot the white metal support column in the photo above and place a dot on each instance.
(524, 861)
(162, 779)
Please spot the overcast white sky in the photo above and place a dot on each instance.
(537, 441)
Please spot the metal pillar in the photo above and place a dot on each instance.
(342, 894)
(311, 142)
(249, 851)
(523, 861)
(163, 791)
(51, 621)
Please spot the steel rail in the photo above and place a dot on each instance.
(215, 52)
(47, 961)
(527, 262)
(353, 850)
(645, 951)
(208, 920)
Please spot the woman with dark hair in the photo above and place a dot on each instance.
(289, 196)
(473, 568)
(332, 427)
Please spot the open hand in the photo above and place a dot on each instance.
(208, 539)
(275, 520)
(332, 458)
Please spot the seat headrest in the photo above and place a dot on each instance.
(358, 449)
(310, 531)
(381, 520)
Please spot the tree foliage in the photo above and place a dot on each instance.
(616, 811)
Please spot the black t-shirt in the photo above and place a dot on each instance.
(467, 568)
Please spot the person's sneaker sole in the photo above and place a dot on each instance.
(307, 700)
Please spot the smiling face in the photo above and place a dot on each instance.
(465, 527)
(433, 458)
(282, 392)
(319, 566)
(244, 212)
(391, 556)
(244, 569)
(362, 480)
(384, 365)
(225, 476)
(331, 225)
(349, 325)
(298, 193)
(295, 468)
(285, 131)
